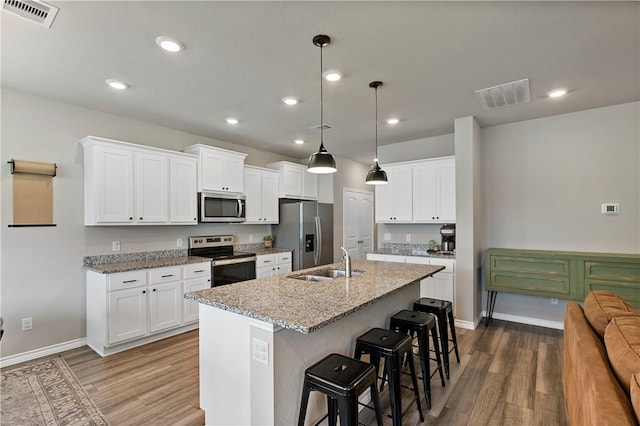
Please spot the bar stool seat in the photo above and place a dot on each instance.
(392, 347)
(443, 311)
(421, 324)
(342, 380)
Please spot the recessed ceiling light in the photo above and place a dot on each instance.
(298, 141)
(231, 120)
(332, 75)
(169, 44)
(290, 100)
(557, 93)
(393, 121)
(116, 84)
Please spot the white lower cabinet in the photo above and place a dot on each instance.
(128, 309)
(269, 265)
(439, 286)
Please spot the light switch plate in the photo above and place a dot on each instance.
(261, 351)
(609, 208)
(387, 236)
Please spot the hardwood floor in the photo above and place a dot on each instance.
(510, 374)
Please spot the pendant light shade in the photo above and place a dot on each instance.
(321, 162)
(376, 176)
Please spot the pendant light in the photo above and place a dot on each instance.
(321, 162)
(376, 176)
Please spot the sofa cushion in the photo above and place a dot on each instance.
(635, 394)
(601, 306)
(622, 340)
(592, 394)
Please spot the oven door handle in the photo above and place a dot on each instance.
(240, 209)
(223, 262)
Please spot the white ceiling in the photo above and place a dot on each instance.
(241, 58)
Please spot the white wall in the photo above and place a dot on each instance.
(41, 268)
(544, 180)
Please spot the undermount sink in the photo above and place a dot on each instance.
(325, 275)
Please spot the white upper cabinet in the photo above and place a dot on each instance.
(434, 191)
(183, 196)
(261, 190)
(394, 200)
(220, 170)
(295, 181)
(152, 187)
(128, 184)
(421, 191)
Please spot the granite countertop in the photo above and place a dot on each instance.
(274, 250)
(308, 306)
(111, 268)
(414, 253)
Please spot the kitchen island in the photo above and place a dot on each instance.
(257, 337)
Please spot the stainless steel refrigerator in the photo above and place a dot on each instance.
(307, 228)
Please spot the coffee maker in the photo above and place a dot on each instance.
(448, 233)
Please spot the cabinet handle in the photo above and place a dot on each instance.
(198, 271)
(154, 289)
(266, 261)
(130, 218)
(140, 218)
(144, 291)
(129, 281)
(166, 276)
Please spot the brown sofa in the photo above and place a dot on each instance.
(601, 361)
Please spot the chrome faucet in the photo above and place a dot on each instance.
(347, 263)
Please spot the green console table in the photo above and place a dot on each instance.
(560, 274)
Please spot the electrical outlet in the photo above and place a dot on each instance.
(27, 324)
(554, 301)
(261, 351)
(408, 237)
(115, 246)
(387, 237)
(179, 242)
(250, 238)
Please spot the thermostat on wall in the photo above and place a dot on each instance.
(609, 208)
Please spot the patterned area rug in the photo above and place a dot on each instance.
(46, 392)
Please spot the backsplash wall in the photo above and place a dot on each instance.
(418, 233)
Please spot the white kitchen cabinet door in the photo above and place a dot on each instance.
(283, 263)
(270, 207)
(127, 314)
(165, 306)
(113, 182)
(220, 170)
(152, 188)
(183, 174)
(261, 190)
(265, 271)
(190, 309)
(394, 201)
(253, 192)
(309, 185)
(292, 182)
(434, 191)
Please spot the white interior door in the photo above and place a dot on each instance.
(357, 220)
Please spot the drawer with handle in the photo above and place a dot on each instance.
(131, 279)
(163, 275)
(283, 258)
(195, 270)
(265, 260)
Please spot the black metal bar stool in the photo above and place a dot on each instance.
(443, 311)
(342, 379)
(421, 324)
(392, 347)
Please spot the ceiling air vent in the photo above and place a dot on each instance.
(32, 10)
(324, 126)
(503, 95)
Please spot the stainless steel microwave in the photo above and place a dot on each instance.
(213, 207)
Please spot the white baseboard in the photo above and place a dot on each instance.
(40, 352)
(467, 324)
(525, 320)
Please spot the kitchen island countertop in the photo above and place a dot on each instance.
(305, 306)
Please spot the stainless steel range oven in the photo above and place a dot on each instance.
(227, 266)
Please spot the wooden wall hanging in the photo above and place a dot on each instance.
(32, 193)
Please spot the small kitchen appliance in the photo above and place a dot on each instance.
(227, 266)
(448, 233)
